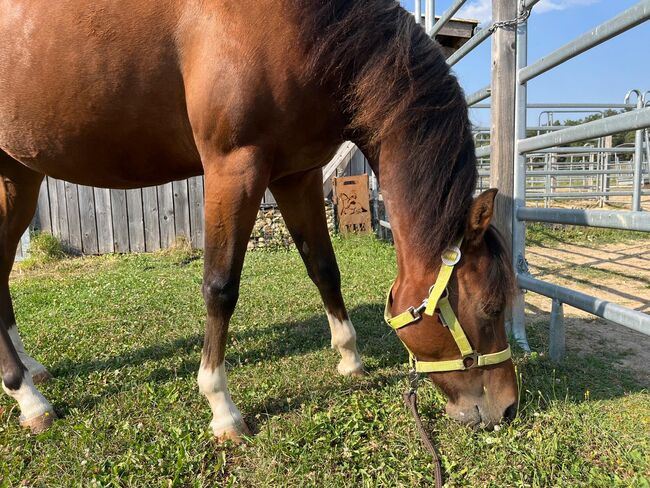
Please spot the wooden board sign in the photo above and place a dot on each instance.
(353, 204)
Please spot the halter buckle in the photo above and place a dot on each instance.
(415, 313)
(470, 361)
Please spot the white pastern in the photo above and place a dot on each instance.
(32, 404)
(34, 367)
(226, 417)
(344, 339)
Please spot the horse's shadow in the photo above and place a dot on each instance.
(567, 381)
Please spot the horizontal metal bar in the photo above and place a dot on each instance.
(618, 314)
(578, 106)
(383, 223)
(478, 96)
(483, 151)
(584, 150)
(637, 119)
(581, 195)
(578, 172)
(590, 218)
(627, 19)
(466, 48)
(449, 13)
(539, 128)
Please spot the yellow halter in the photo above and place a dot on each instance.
(439, 299)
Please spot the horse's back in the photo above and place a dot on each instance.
(128, 93)
(93, 91)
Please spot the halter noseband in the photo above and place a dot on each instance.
(438, 299)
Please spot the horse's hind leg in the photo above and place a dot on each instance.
(300, 198)
(18, 196)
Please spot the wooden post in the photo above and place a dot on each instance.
(502, 132)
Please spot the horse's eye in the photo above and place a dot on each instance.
(492, 309)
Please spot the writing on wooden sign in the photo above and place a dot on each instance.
(353, 204)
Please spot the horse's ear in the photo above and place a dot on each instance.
(480, 215)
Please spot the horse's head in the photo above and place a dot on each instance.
(469, 300)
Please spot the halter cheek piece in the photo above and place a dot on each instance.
(438, 299)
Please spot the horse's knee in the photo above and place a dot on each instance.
(326, 275)
(220, 293)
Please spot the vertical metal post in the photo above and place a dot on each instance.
(547, 183)
(418, 11)
(647, 150)
(638, 155)
(519, 190)
(557, 332)
(429, 14)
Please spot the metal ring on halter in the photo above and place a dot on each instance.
(455, 259)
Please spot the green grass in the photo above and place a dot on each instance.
(44, 249)
(554, 235)
(122, 336)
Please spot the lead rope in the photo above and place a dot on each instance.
(411, 401)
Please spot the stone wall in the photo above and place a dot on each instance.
(270, 232)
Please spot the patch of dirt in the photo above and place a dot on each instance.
(619, 273)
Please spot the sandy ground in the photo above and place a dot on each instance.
(616, 272)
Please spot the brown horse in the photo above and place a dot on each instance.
(255, 94)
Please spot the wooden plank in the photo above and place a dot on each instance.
(62, 212)
(54, 205)
(87, 214)
(19, 252)
(195, 193)
(120, 221)
(269, 199)
(104, 218)
(151, 223)
(181, 209)
(503, 113)
(43, 218)
(136, 220)
(166, 215)
(357, 163)
(74, 220)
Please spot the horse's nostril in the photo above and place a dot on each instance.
(510, 413)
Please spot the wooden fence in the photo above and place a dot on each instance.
(97, 220)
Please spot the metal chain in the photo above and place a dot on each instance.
(519, 19)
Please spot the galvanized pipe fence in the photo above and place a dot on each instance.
(638, 119)
(545, 166)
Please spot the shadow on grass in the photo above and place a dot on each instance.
(285, 339)
(579, 377)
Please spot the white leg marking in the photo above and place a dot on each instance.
(34, 367)
(32, 404)
(213, 384)
(344, 338)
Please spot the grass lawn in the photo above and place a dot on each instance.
(122, 336)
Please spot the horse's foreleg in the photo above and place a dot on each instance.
(18, 195)
(234, 186)
(300, 198)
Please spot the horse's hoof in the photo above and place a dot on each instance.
(235, 433)
(40, 423)
(351, 370)
(41, 377)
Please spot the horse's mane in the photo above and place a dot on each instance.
(393, 82)
(500, 286)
